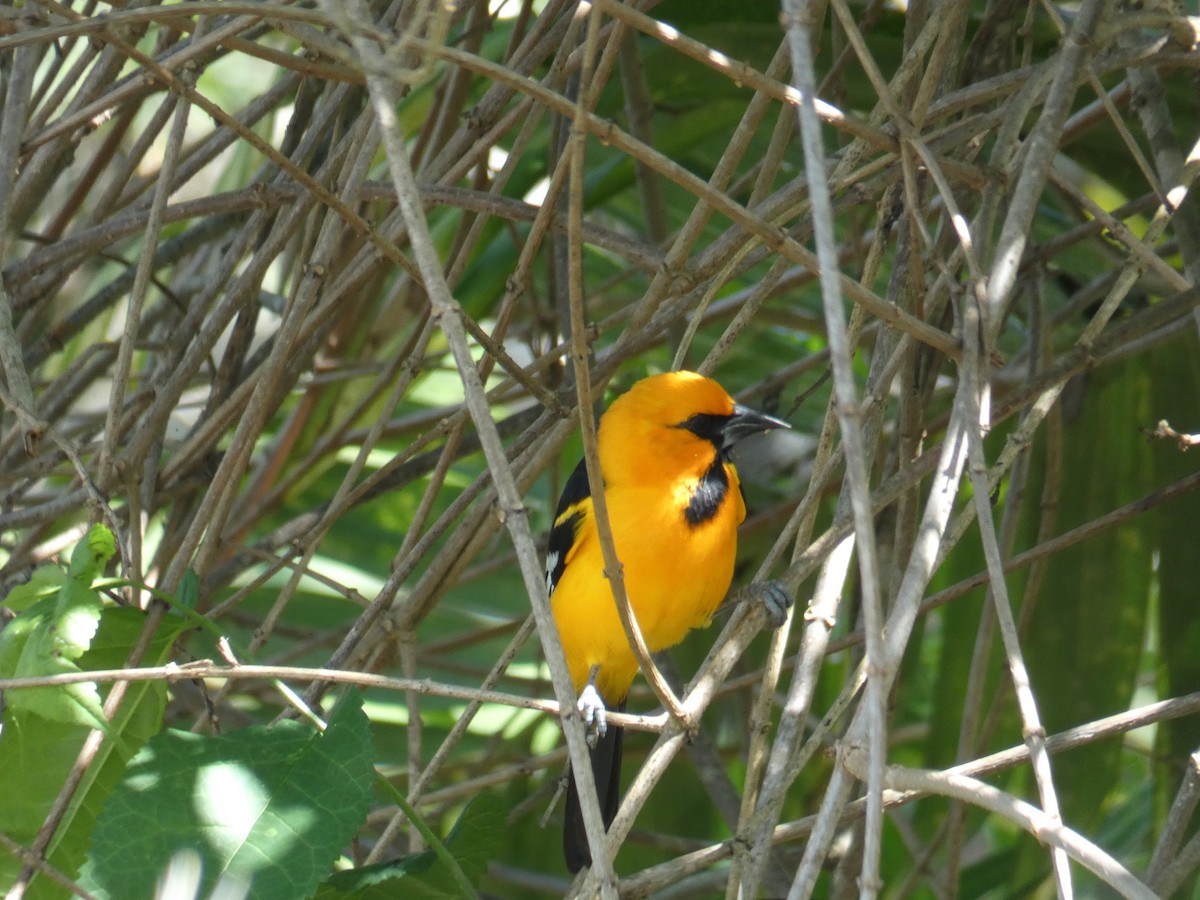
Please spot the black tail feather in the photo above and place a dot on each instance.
(606, 769)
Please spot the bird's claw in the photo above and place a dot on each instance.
(595, 714)
(776, 600)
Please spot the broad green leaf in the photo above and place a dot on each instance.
(76, 624)
(37, 753)
(74, 704)
(473, 841)
(47, 636)
(1176, 370)
(268, 806)
(46, 581)
(1084, 641)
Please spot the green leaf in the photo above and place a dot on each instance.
(1176, 371)
(473, 841)
(76, 623)
(92, 553)
(189, 589)
(37, 753)
(1084, 644)
(1085, 637)
(46, 581)
(268, 807)
(48, 635)
(74, 704)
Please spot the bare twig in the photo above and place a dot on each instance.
(1164, 430)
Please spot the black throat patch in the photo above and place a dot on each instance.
(710, 491)
(714, 483)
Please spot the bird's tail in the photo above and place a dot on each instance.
(606, 769)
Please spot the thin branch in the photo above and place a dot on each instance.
(849, 418)
(1045, 828)
(514, 514)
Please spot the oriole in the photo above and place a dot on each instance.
(674, 506)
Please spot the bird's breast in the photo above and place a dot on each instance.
(677, 565)
(676, 573)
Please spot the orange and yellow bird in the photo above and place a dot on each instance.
(674, 505)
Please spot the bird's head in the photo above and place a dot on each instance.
(678, 420)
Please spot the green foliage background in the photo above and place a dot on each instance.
(214, 341)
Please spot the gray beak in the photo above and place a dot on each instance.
(745, 422)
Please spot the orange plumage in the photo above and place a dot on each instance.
(674, 505)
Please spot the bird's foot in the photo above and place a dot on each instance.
(595, 714)
(775, 598)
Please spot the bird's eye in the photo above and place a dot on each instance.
(706, 425)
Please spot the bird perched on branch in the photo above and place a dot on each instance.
(674, 505)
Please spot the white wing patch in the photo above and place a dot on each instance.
(551, 565)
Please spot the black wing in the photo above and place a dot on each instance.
(567, 520)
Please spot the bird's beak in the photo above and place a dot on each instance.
(745, 422)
